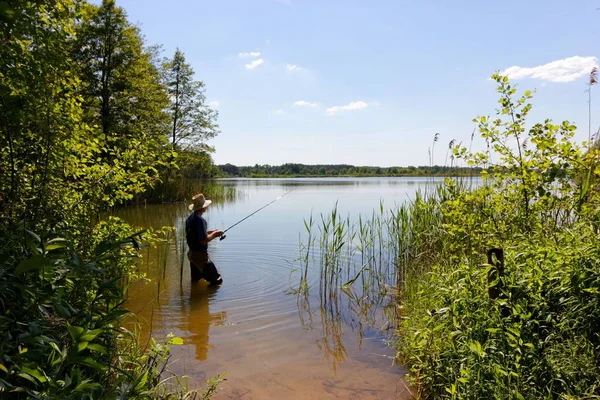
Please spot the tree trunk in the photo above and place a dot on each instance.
(176, 111)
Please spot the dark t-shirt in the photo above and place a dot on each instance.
(195, 231)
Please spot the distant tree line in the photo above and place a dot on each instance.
(303, 170)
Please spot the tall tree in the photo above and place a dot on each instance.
(123, 97)
(123, 89)
(193, 122)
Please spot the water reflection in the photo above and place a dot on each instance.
(198, 318)
(370, 314)
(328, 182)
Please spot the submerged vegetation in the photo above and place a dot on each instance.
(84, 125)
(497, 285)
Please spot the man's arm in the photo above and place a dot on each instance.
(212, 234)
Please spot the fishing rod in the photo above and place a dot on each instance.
(243, 219)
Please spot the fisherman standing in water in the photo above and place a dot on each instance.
(197, 237)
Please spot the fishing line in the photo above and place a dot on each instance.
(245, 218)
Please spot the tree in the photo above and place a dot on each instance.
(123, 98)
(123, 91)
(192, 120)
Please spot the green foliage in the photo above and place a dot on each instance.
(83, 129)
(540, 202)
(60, 325)
(123, 100)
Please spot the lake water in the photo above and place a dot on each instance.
(272, 344)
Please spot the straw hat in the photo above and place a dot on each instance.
(199, 202)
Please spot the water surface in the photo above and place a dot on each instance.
(273, 344)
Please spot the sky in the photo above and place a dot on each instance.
(371, 82)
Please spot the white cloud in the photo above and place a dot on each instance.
(565, 70)
(355, 105)
(254, 64)
(279, 111)
(214, 104)
(303, 103)
(293, 67)
(249, 54)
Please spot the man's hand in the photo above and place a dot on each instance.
(212, 234)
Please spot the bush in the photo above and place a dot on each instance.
(60, 320)
(539, 335)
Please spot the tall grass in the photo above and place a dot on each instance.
(180, 189)
(378, 252)
(361, 266)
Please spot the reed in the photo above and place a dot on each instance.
(364, 267)
(180, 189)
(377, 252)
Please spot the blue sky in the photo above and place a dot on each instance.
(371, 82)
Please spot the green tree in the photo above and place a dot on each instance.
(123, 99)
(192, 121)
(122, 91)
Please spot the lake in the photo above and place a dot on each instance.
(271, 342)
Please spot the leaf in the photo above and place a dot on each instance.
(97, 347)
(75, 332)
(75, 259)
(82, 346)
(91, 335)
(476, 348)
(176, 341)
(34, 236)
(30, 264)
(85, 385)
(55, 347)
(28, 377)
(142, 381)
(3, 368)
(55, 246)
(89, 362)
(61, 309)
(36, 373)
(103, 247)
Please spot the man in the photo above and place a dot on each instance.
(198, 237)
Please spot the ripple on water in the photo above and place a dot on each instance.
(271, 344)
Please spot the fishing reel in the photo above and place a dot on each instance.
(222, 237)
